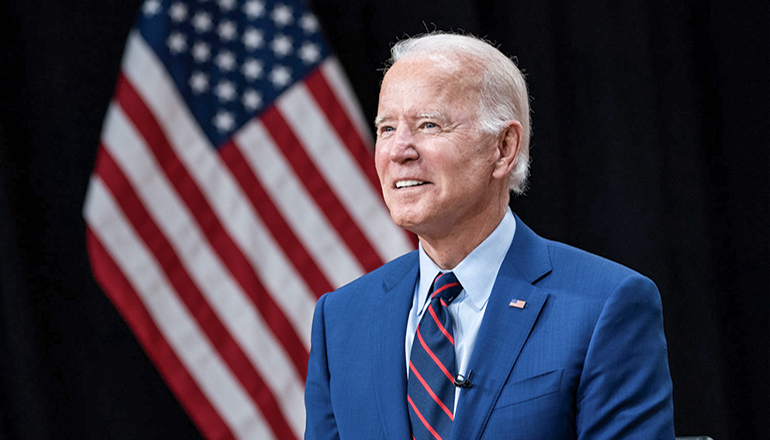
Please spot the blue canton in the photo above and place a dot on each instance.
(230, 59)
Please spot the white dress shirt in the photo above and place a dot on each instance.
(477, 273)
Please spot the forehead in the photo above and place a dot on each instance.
(428, 84)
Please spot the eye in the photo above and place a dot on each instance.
(429, 125)
(384, 129)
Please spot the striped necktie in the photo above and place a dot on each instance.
(431, 390)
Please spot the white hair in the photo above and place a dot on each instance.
(503, 88)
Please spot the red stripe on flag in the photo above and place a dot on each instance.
(188, 291)
(338, 118)
(229, 252)
(127, 301)
(324, 196)
(280, 230)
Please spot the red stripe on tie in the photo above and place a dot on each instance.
(422, 419)
(440, 325)
(430, 391)
(443, 288)
(433, 356)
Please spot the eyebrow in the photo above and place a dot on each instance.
(432, 115)
(429, 115)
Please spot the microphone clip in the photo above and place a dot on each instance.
(464, 381)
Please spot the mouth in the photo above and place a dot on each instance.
(409, 183)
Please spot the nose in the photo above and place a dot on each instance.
(403, 146)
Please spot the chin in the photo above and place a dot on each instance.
(411, 223)
(404, 220)
(411, 216)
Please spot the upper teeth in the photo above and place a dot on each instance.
(405, 183)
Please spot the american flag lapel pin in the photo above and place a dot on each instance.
(519, 304)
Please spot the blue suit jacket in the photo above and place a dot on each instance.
(585, 358)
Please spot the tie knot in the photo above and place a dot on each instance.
(446, 287)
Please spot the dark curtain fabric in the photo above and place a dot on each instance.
(650, 147)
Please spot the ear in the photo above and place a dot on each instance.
(508, 146)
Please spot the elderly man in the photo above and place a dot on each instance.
(488, 331)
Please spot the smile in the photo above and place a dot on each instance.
(408, 183)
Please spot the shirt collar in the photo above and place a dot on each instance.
(478, 270)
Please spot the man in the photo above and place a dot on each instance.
(537, 340)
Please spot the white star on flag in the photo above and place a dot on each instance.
(309, 24)
(281, 45)
(309, 53)
(252, 99)
(226, 5)
(227, 30)
(282, 15)
(254, 9)
(253, 39)
(280, 76)
(199, 82)
(177, 43)
(151, 7)
(225, 91)
(178, 12)
(202, 22)
(225, 60)
(252, 69)
(201, 52)
(224, 121)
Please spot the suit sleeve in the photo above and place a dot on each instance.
(320, 421)
(625, 390)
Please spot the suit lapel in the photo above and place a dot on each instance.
(390, 371)
(504, 330)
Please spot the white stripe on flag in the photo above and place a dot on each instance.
(181, 331)
(338, 168)
(338, 81)
(232, 207)
(221, 291)
(298, 207)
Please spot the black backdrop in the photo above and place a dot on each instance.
(650, 147)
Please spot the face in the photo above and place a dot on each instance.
(436, 167)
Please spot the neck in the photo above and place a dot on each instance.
(449, 249)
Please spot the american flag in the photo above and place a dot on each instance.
(233, 186)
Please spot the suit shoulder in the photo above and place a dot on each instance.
(571, 262)
(391, 271)
(562, 252)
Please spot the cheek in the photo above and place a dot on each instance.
(469, 176)
(381, 167)
(380, 158)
